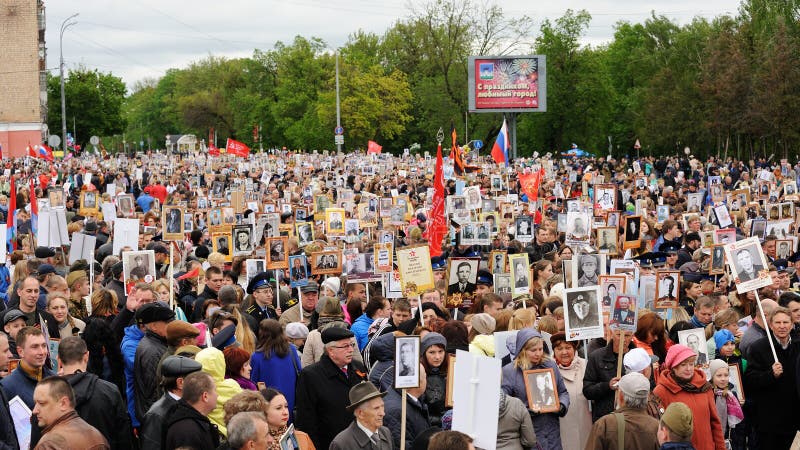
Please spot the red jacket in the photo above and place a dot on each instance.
(707, 428)
(158, 191)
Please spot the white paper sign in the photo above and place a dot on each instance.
(109, 212)
(21, 416)
(126, 234)
(111, 189)
(475, 412)
(52, 230)
(3, 255)
(82, 247)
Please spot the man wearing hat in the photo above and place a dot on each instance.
(638, 428)
(261, 288)
(367, 430)
(306, 310)
(692, 243)
(173, 370)
(98, 402)
(154, 317)
(676, 427)
(323, 388)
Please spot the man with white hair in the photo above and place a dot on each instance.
(367, 430)
(248, 430)
(639, 430)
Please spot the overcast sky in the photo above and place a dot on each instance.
(135, 39)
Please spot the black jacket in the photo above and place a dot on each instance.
(600, 369)
(186, 427)
(417, 419)
(197, 310)
(321, 397)
(775, 400)
(100, 404)
(152, 428)
(145, 364)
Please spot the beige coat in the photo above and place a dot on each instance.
(577, 424)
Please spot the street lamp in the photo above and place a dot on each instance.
(64, 25)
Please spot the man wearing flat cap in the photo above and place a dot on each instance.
(173, 370)
(261, 288)
(639, 429)
(306, 310)
(154, 317)
(367, 430)
(323, 388)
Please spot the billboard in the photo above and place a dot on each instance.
(507, 83)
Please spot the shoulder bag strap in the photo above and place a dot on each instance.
(620, 431)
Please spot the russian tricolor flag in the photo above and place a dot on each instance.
(500, 148)
(34, 210)
(11, 222)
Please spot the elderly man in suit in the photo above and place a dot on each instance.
(367, 430)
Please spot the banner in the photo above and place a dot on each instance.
(416, 273)
(507, 84)
(237, 148)
(437, 227)
(530, 184)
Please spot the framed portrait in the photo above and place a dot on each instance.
(497, 261)
(748, 264)
(695, 339)
(623, 313)
(736, 380)
(717, 193)
(462, 276)
(789, 188)
(781, 229)
(214, 218)
(138, 267)
(368, 215)
(491, 220)
(520, 273)
(723, 216)
(472, 194)
(612, 219)
(724, 236)
(578, 231)
(298, 271)
(784, 248)
(406, 357)
(334, 221)
(218, 190)
(523, 226)
(611, 286)
(605, 196)
(586, 269)
(56, 197)
(125, 206)
(541, 389)
(758, 228)
(188, 222)
(277, 254)
(502, 284)
(242, 240)
(172, 223)
(662, 212)
(254, 267)
(451, 368)
(668, 288)
(497, 183)
(633, 232)
(305, 233)
(707, 238)
(607, 240)
(221, 242)
(694, 202)
(787, 210)
(89, 202)
(300, 213)
(717, 266)
(583, 313)
(328, 262)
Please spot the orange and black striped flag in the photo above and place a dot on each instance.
(456, 154)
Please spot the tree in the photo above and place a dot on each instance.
(93, 101)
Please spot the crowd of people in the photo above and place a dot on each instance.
(238, 313)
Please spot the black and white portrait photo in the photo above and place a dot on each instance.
(695, 339)
(89, 200)
(173, 220)
(276, 255)
(220, 242)
(524, 227)
(540, 386)
(747, 263)
(578, 228)
(789, 188)
(633, 228)
(583, 318)
(254, 267)
(695, 201)
(406, 367)
(607, 240)
(587, 268)
(667, 288)
(502, 283)
(717, 260)
(783, 248)
(305, 233)
(497, 261)
(188, 222)
(463, 276)
(605, 196)
(520, 273)
(242, 244)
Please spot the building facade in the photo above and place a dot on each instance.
(23, 75)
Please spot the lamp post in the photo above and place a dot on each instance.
(64, 25)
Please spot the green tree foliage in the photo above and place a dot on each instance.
(93, 102)
(729, 85)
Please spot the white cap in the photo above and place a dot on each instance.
(333, 284)
(637, 360)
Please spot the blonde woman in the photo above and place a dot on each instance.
(162, 290)
(522, 318)
(78, 283)
(530, 355)
(57, 305)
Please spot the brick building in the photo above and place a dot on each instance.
(23, 81)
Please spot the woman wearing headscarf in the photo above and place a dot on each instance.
(577, 424)
(681, 381)
(531, 355)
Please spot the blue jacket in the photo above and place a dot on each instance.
(129, 343)
(19, 383)
(278, 373)
(360, 329)
(417, 419)
(145, 201)
(5, 280)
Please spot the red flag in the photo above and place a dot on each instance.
(438, 223)
(456, 154)
(237, 148)
(374, 147)
(213, 151)
(530, 184)
(31, 152)
(193, 274)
